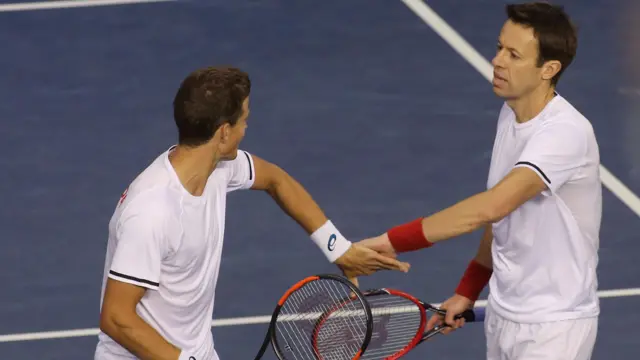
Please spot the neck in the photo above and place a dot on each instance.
(194, 165)
(529, 106)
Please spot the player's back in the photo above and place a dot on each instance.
(545, 253)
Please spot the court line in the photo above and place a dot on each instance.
(237, 321)
(484, 67)
(48, 5)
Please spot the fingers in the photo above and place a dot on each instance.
(433, 321)
(362, 261)
(389, 263)
(452, 322)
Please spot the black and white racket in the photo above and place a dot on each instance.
(325, 317)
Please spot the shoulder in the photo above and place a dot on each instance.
(153, 205)
(152, 195)
(565, 120)
(238, 173)
(242, 160)
(563, 111)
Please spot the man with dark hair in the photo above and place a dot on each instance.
(166, 234)
(541, 211)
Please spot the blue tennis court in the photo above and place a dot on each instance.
(361, 100)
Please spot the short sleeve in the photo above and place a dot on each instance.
(556, 153)
(140, 248)
(241, 172)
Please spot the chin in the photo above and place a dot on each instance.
(501, 93)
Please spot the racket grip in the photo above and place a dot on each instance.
(473, 315)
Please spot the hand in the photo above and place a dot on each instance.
(360, 260)
(380, 244)
(455, 305)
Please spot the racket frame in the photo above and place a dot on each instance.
(421, 334)
(356, 294)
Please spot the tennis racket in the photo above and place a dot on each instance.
(325, 317)
(399, 323)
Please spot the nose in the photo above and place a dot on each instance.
(498, 60)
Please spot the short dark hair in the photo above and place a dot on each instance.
(556, 34)
(207, 99)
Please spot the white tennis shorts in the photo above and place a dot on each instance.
(560, 340)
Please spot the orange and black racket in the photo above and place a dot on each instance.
(325, 317)
(321, 317)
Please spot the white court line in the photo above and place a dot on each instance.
(47, 5)
(460, 45)
(249, 320)
(437, 24)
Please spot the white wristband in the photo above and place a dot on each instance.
(330, 241)
(186, 356)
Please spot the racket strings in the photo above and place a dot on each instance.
(320, 321)
(347, 322)
(396, 321)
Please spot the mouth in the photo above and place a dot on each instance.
(498, 77)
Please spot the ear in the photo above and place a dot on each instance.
(550, 69)
(224, 132)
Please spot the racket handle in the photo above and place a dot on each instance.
(473, 315)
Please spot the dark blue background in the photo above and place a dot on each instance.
(359, 100)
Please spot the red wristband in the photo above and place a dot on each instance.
(408, 237)
(474, 280)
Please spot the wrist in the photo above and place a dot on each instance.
(330, 241)
(474, 280)
(408, 237)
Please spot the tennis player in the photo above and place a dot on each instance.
(166, 234)
(541, 212)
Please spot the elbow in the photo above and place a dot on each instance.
(109, 323)
(493, 214)
(493, 211)
(113, 322)
(279, 181)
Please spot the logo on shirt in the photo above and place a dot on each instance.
(332, 242)
(123, 196)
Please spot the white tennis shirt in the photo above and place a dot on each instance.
(545, 253)
(165, 239)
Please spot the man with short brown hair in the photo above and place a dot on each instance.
(166, 234)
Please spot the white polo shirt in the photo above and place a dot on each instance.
(545, 253)
(165, 239)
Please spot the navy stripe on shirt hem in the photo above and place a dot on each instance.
(250, 166)
(143, 281)
(536, 168)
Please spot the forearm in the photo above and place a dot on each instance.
(459, 219)
(296, 202)
(139, 338)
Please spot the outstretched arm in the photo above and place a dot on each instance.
(289, 194)
(552, 157)
(479, 210)
(296, 202)
(519, 186)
